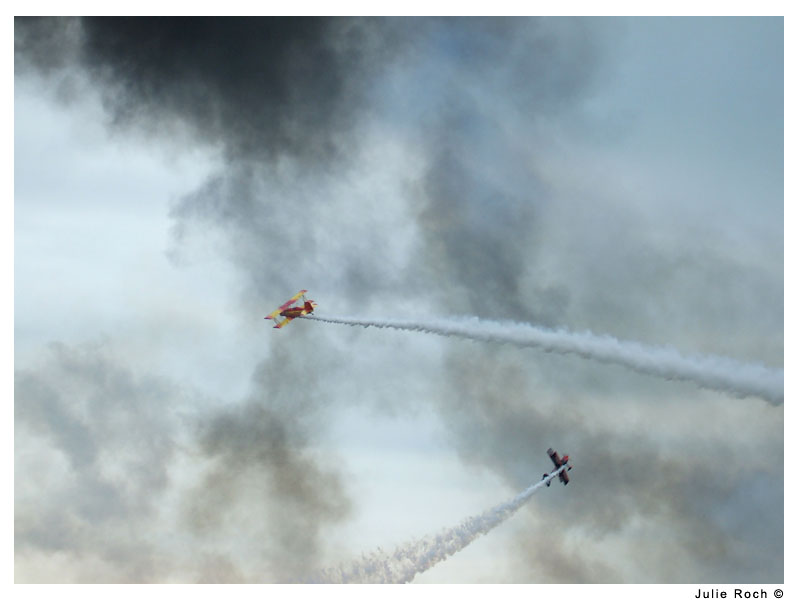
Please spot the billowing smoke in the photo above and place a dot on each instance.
(114, 444)
(94, 450)
(408, 561)
(261, 87)
(714, 372)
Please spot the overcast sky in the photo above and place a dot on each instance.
(175, 181)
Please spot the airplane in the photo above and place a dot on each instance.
(558, 462)
(289, 312)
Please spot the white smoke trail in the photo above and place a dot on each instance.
(408, 561)
(714, 372)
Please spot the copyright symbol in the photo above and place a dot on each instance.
(778, 593)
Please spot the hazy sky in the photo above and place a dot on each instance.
(175, 181)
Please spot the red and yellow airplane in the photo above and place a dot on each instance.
(289, 312)
(559, 462)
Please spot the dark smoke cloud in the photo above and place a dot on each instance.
(559, 561)
(298, 88)
(477, 237)
(260, 87)
(479, 198)
(249, 450)
(263, 482)
(476, 209)
(45, 44)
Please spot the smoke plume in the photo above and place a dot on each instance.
(714, 372)
(408, 561)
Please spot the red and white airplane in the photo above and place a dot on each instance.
(559, 462)
(288, 311)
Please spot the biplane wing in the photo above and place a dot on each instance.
(285, 321)
(554, 457)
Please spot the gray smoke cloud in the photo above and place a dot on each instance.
(493, 167)
(95, 490)
(264, 476)
(99, 451)
(640, 484)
